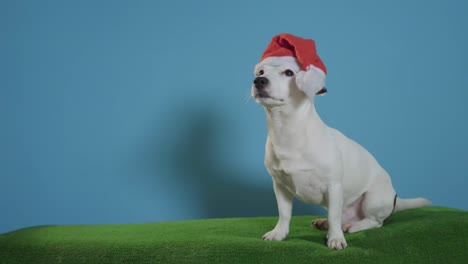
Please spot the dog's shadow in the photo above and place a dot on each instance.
(193, 158)
(320, 240)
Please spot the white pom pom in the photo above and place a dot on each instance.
(310, 81)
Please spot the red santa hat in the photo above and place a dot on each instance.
(302, 49)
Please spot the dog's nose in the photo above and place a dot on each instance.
(260, 82)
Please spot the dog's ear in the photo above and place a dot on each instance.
(311, 81)
(323, 91)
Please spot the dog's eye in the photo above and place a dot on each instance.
(260, 72)
(288, 73)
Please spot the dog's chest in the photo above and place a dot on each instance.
(298, 176)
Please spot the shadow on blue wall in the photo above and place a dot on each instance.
(194, 154)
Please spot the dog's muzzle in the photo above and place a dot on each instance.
(260, 83)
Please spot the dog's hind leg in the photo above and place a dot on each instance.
(364, 224)
(377, 205)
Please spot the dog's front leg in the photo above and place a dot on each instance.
(285, 201)
(335, 235)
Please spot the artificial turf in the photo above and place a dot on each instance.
(425, 235)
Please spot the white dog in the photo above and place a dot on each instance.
(316, 163)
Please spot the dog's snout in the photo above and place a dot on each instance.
(260, 82)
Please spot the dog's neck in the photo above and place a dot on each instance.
(289, 125)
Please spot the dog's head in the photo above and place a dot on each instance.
(280, 80)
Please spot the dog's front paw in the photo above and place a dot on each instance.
(275, 234)
(337, 242)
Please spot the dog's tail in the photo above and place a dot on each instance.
(403, 204)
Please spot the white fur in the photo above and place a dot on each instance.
(316, 163)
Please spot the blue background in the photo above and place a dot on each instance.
(138, 111)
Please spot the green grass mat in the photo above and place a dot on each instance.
(426, 235)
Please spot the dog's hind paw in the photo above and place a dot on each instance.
(320, 223)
